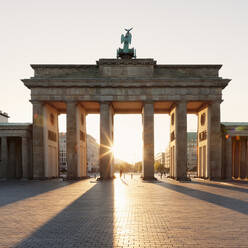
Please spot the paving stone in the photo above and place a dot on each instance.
(122, 213)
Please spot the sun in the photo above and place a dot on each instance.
(113, 149)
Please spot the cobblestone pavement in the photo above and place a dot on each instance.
(123, 213)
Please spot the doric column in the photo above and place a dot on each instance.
(106, 140)
(148, 141)
(25, 158)
(178, 141)
(11, 171)
(18, 162)
(51, 140)
(228, 158)
(76, 141)
(38, 141)
(181, 140)
(71, 140)
(4, 157)
(172, 143)
(214, 136)
(243, 157)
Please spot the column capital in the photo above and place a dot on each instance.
(181, 102)
(71, 102)
(148, 102)
(106, 102)
(176, 103)
(219, 101)
(35, 102)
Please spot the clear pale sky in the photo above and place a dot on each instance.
(78, 32)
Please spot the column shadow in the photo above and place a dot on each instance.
(219, 200)
(87, 222)
(221, 186)
(15, 190)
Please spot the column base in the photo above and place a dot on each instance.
(215, 179)
(181, 179)
(76, 178)
(41, 178)
(105, 179)
(152, 178)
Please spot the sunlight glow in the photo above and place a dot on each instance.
(127, 144)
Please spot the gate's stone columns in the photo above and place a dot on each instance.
(148, 141)
(214, 131)
(4, 157)
(228, 158)
(178, 141)
(243, 157)
(38, 141)
(12, 159)
(25, 159)
(209, 142)
(76, 141)
(45, 141)
(203, 143)
(106, 140)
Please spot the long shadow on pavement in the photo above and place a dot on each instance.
(87, 222)
(222, 201)
(15, 190)
(221, 186)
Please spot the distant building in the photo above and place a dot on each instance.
(167, 157)
(191, 150)
(62, 151)
(3, 117)
(93, 149)
(92, 153)
(160, 157)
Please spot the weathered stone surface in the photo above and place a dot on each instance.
(181, 140)
(148, 141)
(215, 141)
(128, 68)
(65, 71)
(25, 159)
(134, 68)
(15, 162)
(187, 71)
(4, 157)
(106, 140)
(113, 81)
(178, 141)
(38, 141)
(16, 130)
(227, 163)
(12, 160)
(72, 141)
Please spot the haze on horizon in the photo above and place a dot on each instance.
(81, 32)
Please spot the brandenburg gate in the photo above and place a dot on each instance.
(125, 85)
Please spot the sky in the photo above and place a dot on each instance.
(81, 32)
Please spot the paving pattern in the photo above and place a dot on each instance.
(123, 213)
